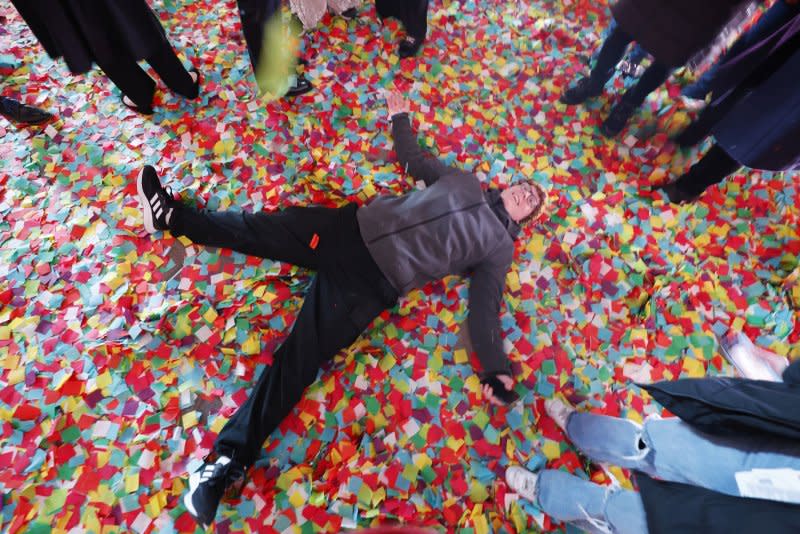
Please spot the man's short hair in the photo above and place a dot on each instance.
(541, 194)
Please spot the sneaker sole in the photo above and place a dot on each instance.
(147, 213)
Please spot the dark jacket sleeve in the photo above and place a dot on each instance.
(418, 163)
(486, 286)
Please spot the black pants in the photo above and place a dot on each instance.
(134, 82)
(412, 13)
(254, 15)
(712, 168)
(346, 294)
(611, 53)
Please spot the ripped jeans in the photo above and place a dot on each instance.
(668, 449)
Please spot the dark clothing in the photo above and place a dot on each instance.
(711, 169)
(449, 227)
(254, 15)
(87, 31)
(771, 21)
(723, 406)
(611, 53)
(762, 128)
(731, 406)
(672, 507)
(673, 31)
(346, 294)
(412, 13)
(113, 34)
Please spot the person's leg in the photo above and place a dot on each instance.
(301, 236)
(653, 76)
(254, 15)
(772, 19)
(129, 77)
(610, 53)
(712, 168)
(166, 63)
(683, 454)
(610, 439)
(589, 506)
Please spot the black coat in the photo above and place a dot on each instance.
(674, 508)
(93, 31)
(674, 30)
(412, 13)
(724, 406)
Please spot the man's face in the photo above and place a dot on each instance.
(520, 200)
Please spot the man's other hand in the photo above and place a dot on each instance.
(397, 103)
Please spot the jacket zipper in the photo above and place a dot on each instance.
(426, 221)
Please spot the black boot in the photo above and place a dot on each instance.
(618, 118)
(675, 194)
(583, 90)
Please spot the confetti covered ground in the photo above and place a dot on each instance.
(122, 354)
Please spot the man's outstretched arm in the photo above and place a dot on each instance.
(486, 286)
(419, 164)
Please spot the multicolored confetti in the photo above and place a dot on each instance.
(122, 355)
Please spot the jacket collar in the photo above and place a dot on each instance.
(492, 197)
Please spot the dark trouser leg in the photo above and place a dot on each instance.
(323, 327)
(254, 15)
(712, 168)
(166, 63)
(610, 53)
(655, 75)
(287, 235)
(417, 22)
(129, 77)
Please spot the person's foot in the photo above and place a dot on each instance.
(579, 93)
(559, 411)
(20, 113)
(350, 14)
(156, 202)
(676, 195)
(617, 119)
(301, 86)
(207, 485)
(522, 481)
(409, 47)
(130, 104)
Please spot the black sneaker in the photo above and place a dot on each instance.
(20, 113)
(156, 201)
(582, 91)
(208, 484)
(350, 14)
(617, 119)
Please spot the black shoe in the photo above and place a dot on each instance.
(350, 14)
(301, 86)
(409, 47)
(20, 113)
(582, 91)
(676, 195)
(617, 119)
(156, 201)
(128, 103)
(208, 484)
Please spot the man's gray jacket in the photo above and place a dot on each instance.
(450, 227)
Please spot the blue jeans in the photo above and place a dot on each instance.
(668, 449)
(772, 19)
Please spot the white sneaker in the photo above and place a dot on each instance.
(559, 411)
(522, 481)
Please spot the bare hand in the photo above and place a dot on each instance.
(507, 381)
(397, 103)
